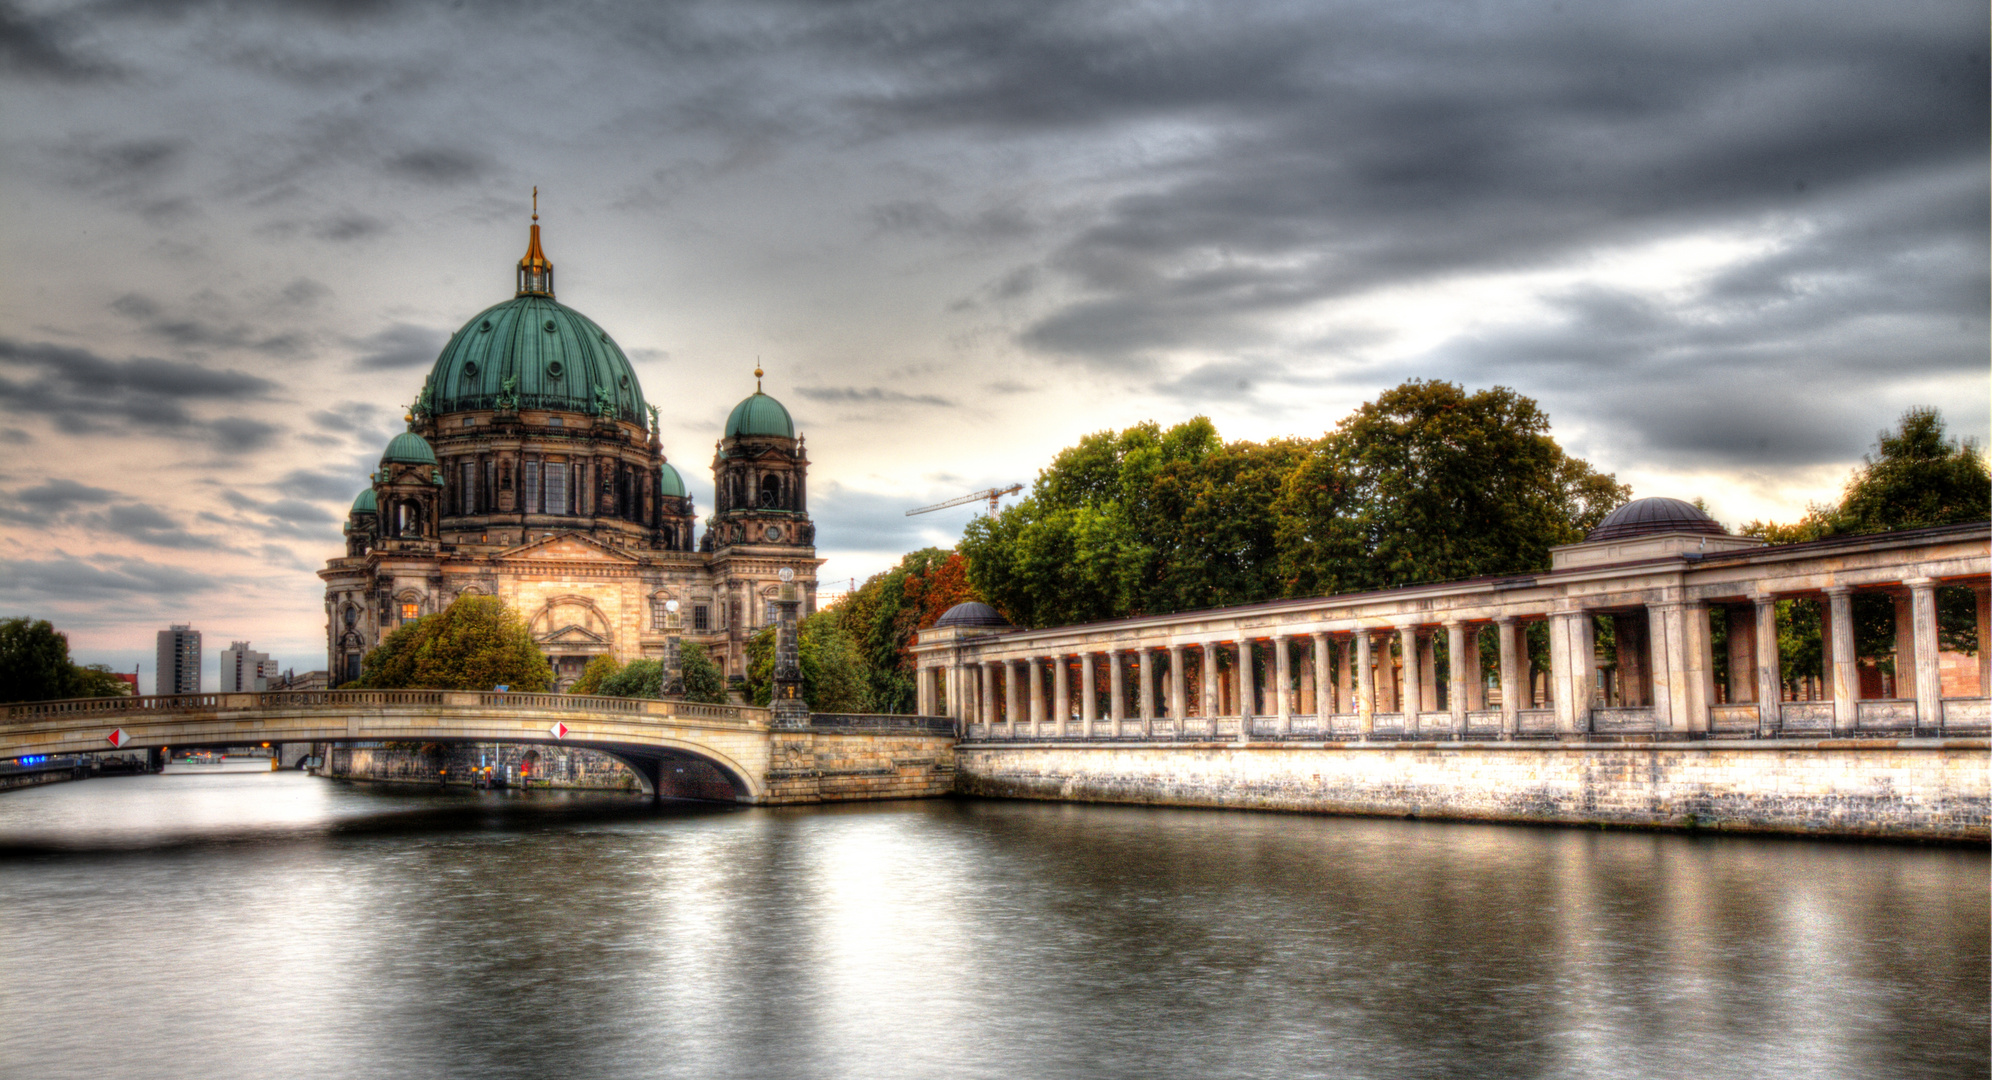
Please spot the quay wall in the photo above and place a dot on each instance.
(1925, 789)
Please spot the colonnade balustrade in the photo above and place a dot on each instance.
(1688, 649)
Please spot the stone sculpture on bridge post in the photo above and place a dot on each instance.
(674, 661)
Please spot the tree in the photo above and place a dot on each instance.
(599, 669)
(1915, 478)
(882, 617)
(641, 678)
(703, 681)
(833, 676)
(477, 643)
(34, 661)
(97, 680)
(1430, 483)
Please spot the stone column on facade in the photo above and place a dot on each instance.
(1905, 647)
(1345, 682)
(1011, 699)
(1428, 673)
(986, 697)
(1768, 676)
(1666, 661)
(1282, 676)
(1507, 636)
(1573, 665)
(1840, 659)
(1476, 682)
(1034, 689)
(1742, 623)
(1928, 678)
(1089, 695)
(1179, 697)
(1246, 680)
(1385, 676)
(1410, 695)
(1207, 685)
(1456, 677)
(1116, 689)
(1694, 710)
(1324, 689)
(1061, 693)
(1146, 669)
(1365, 687)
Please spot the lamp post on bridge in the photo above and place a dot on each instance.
(790, 711)
(674, 668)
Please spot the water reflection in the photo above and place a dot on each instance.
(290, 926)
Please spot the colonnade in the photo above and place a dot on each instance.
(1527, 657)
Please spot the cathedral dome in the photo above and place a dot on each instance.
(760, 414)
(408, 448)
(1642, 517)
(669, 482)
(365, 503)
(558, 358)
(971, 613)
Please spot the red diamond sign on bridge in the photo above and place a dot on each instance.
(559, 730)
(116, 738)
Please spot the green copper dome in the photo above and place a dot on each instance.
(669, 482)
(556, 357)
(365, 503)
(409, 448)
(760, 415)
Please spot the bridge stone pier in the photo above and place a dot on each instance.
(830, 758)
(1591, 692)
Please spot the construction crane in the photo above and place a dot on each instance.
(991, 494)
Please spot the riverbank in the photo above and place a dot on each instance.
(1905, 789)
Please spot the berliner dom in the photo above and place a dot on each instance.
(533, 469)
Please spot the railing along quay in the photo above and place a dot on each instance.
(275, 701)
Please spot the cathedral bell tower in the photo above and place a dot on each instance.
(760, 473)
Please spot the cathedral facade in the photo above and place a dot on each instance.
(532, 470)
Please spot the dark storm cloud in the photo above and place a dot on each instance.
(924, 217)
(871, 395)
(239, 434)
(327, 485)
(340, 228)
(56, 496)
(33, 46)
(82, 392)
(99, 511)
(439, 166)
(403, 345)
(67, 579)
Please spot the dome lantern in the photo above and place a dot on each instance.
(535, 270)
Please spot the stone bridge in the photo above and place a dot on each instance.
(833, 758)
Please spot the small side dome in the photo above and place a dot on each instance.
(669, 482)
(760, 414)
(1643, 517)
(971, 613)
(409, 448)
(365, 503)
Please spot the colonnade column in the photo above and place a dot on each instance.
(1116, 689)
(1982, 600)
(1388, 694)
(1034, 690)
(1061, 692)
(1929, 681)
(1698, 674)
(1282, 679)
(1207, 685)
(1768, 677)
(1324, 693)
(987, 698)
(1089, 695)
(1246, 682)
(1573, 665)
(1345, 684)
(1905, 648)
(1365, 687)
(1507, 631)
(1664, 663)
(1409, 694)
(1456, 677)
(1146, 700)
(1011, 699)
(1179, 704)
(1840, 658)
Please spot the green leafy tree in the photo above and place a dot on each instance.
(642, 678)
(34, 661)
(1915, 478)
(1431, 483)
(703, 680)
(833, 677)
(477, 643)
(598, 671)
(883, 616)
(97, 680)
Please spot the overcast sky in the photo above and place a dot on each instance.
(1723, 244)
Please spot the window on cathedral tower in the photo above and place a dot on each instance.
(530, 480)
(701, 617)
(556, 489)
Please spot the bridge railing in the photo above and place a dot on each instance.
(305, 699)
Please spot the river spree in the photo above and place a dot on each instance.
(280, 925)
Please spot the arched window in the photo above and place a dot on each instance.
(771, 491)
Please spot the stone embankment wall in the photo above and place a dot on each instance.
(1922, 789)
(850, 758)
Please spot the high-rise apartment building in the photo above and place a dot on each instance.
(179, 670)
(244, 670)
